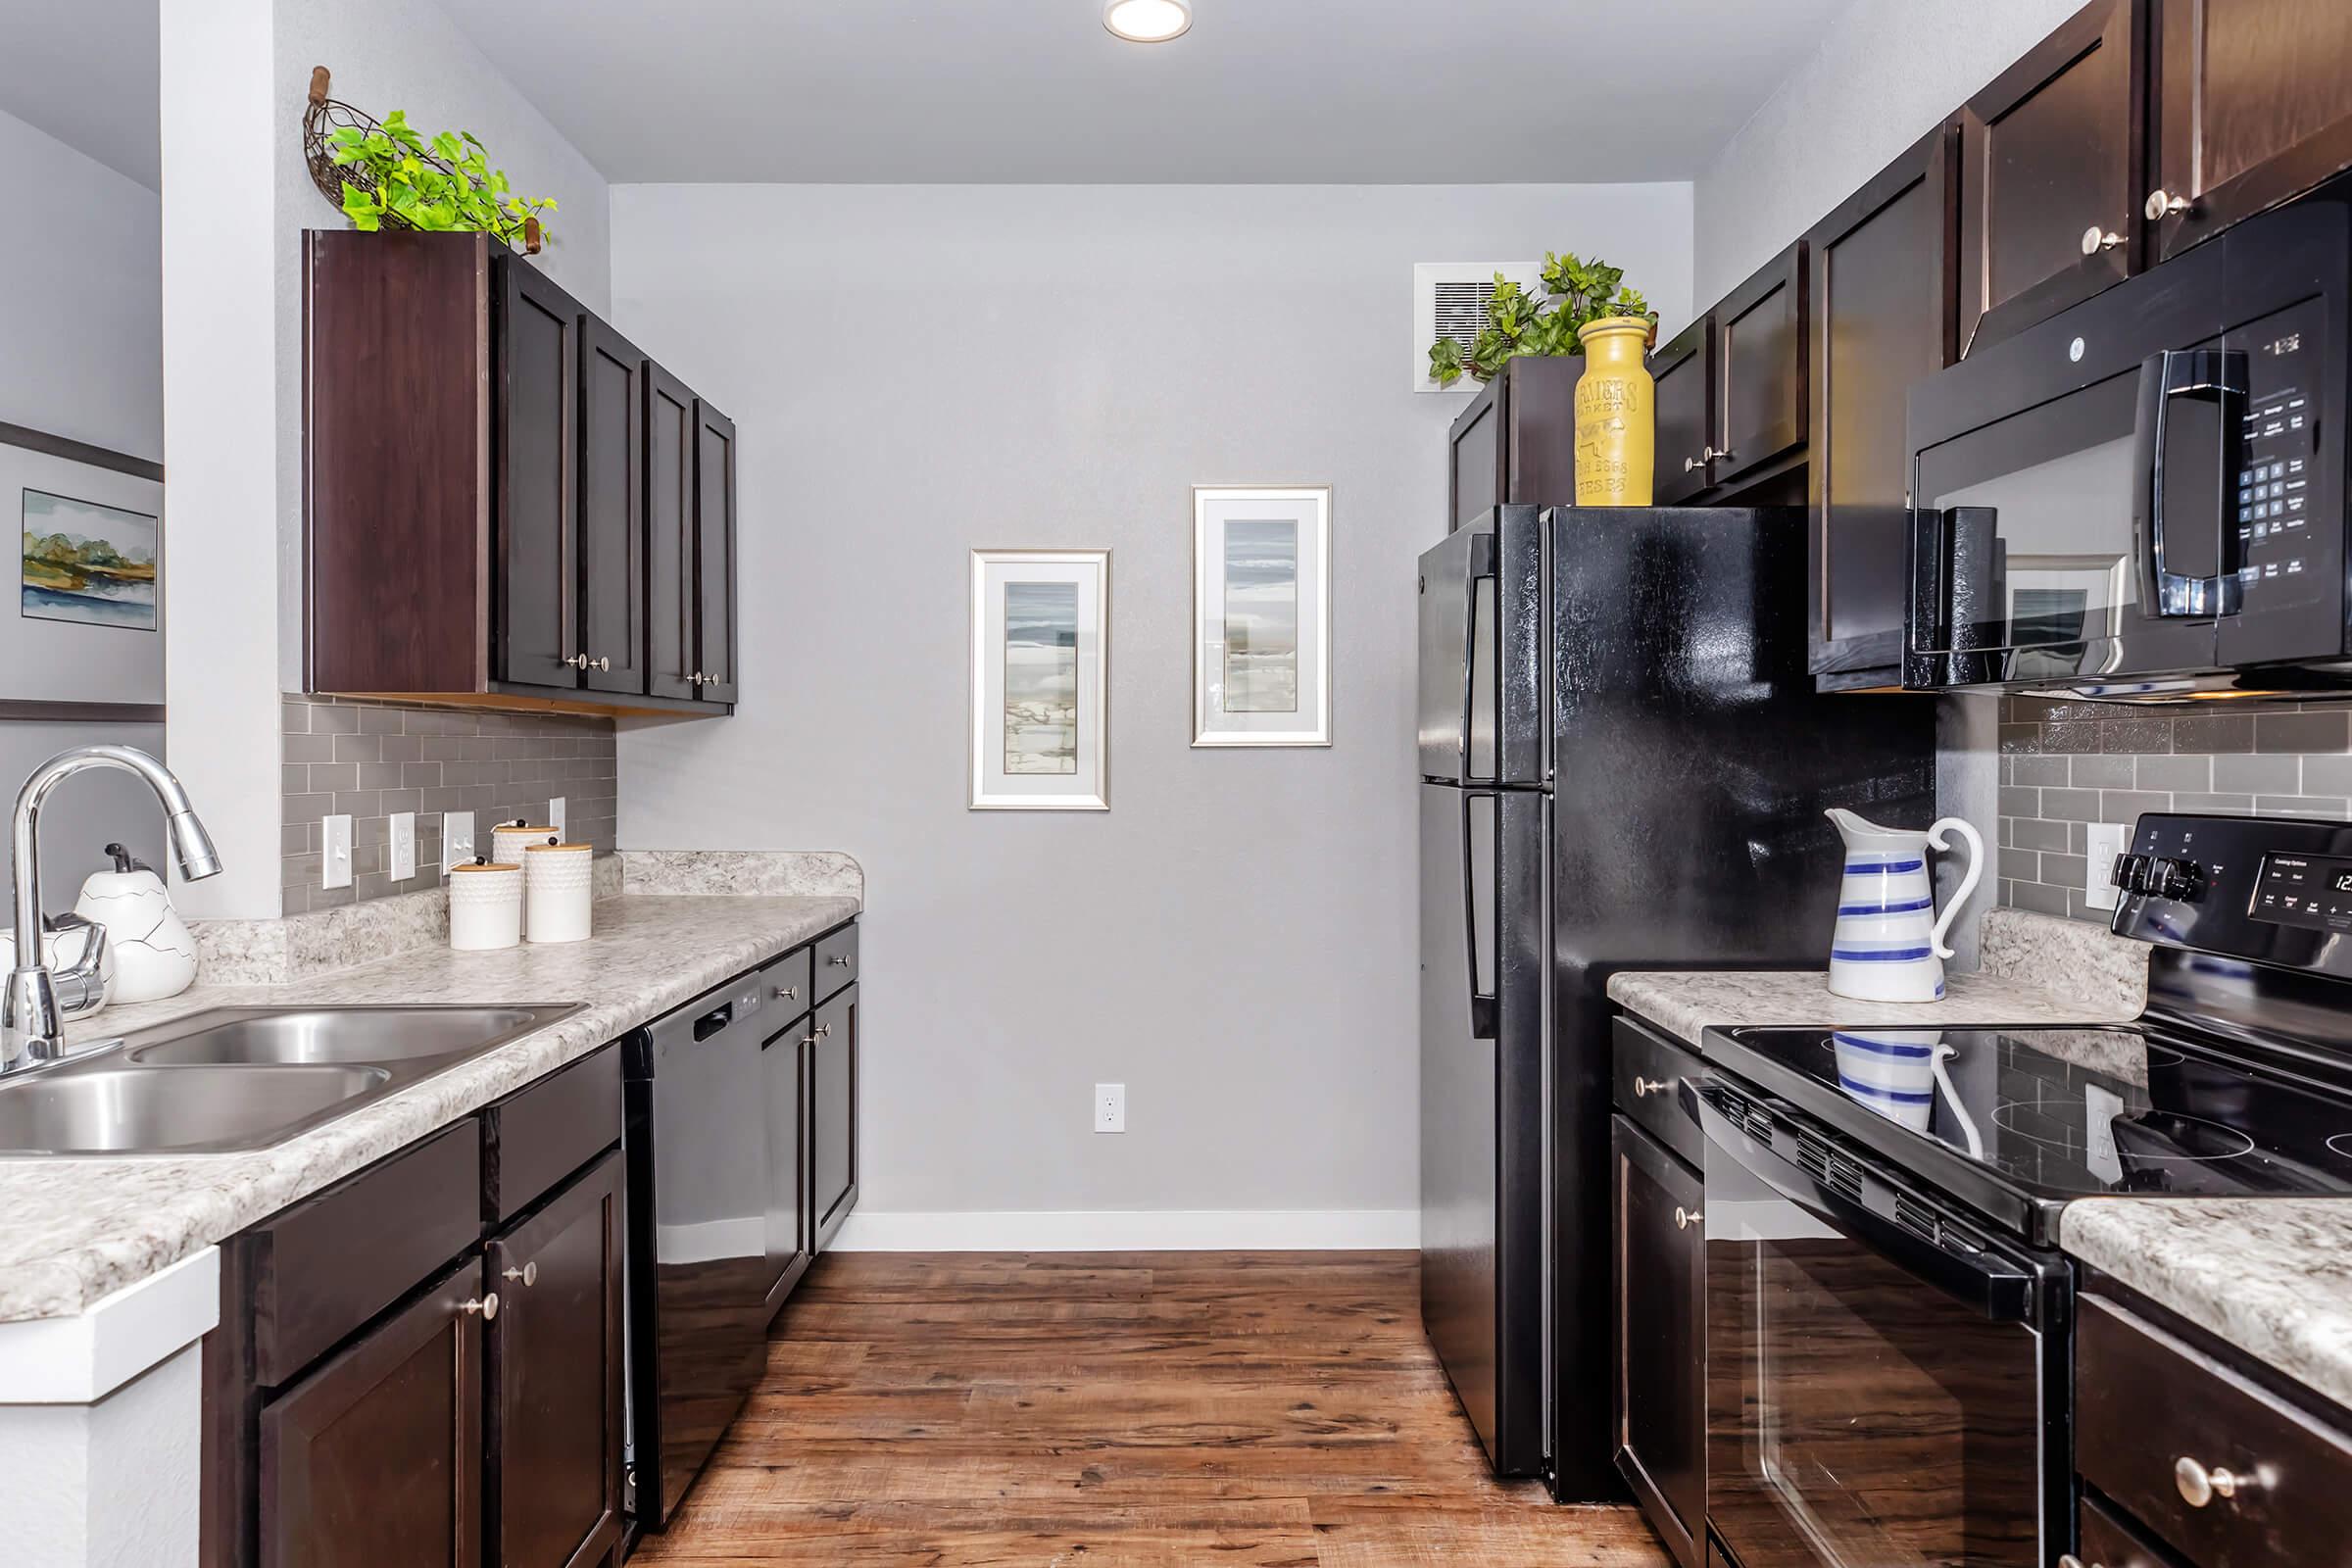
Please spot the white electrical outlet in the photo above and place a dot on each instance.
(1111, 1107)
(555, 816)
(403, 845)
(334, 865)
(457, 839)
(2105, 841)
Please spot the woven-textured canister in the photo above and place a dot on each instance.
(557, 897)
(485, 906)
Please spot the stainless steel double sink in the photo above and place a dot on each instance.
(242, 1078)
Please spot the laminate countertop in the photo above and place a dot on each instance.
(76, 1230)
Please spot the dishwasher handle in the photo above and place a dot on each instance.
(712, 1022)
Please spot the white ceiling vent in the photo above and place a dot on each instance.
(1449, 300)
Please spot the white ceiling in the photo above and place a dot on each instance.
(1353, 91)
(84, 70)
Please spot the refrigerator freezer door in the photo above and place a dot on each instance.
(1482, 1008)
(1481, 713)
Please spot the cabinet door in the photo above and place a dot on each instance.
(784, 1070)
(1660, 1384)
(2252, 105)
(670, 583)
(612, 548)
(534, 591)
(1474, 458)
(714, 554)
(1882, 302)
(1685, 371)
(375, 1459)
(833, 1116)
(1761, 368)
(2050, 174)
(557, 1422)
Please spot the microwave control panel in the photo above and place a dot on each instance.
(2277, 495)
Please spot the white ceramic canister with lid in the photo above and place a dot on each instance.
(485, 906)
(555, 881)
(508, 841)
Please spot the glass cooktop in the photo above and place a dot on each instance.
(2065, 1112)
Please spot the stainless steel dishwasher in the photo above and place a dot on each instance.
(695, 1132)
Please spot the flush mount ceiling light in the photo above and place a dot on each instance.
(1147, 20)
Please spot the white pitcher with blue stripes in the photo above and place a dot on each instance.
(1889, 944)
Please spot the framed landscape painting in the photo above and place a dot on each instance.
(1040, 653)
(1261, 616)
(88, 623)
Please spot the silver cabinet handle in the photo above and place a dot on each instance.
(2067, 1559)
(839, 960)
(2162, 203)
(807, 1040)
(1690, 464)
(576, 660)
(823, 1030)
(485, 1308)
(528, 1274)
(1684, 1218)
(2096, 239)
(1650, 1086)
(788, 992)
(604, 662)
(2199, 1485)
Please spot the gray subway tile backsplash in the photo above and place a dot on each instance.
(2065, 765)
(370, 760)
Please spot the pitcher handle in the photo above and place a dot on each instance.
(1967, 881)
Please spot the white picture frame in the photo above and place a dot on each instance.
(1261, 616)
(1040, 681)
(91, 641)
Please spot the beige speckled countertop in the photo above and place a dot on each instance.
(74, 1229)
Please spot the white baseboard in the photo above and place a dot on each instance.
(1194, 1230)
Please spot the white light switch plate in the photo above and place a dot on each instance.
(555, 817)
(1111, 1107)
(334, 864)
(457, 839)
(2106, 840)
(403, 845)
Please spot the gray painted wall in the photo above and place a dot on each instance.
(1886, 70)
(919, 370)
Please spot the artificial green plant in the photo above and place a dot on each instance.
(445, 186)
(1576, 292)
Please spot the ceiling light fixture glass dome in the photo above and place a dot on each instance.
(1147, 20)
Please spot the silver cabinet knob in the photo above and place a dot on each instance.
(2067, 1559)
(2199, 1485)
(1684, 1218)
(2162, 203)
(1650, 1086)
(576, 660)
(485, 1308)
(788, 992)
(2096, 239)
(807, 1040)
(839, 960)
(1690, 464)
(823, 1030)
(604, 662)
(528, 1274)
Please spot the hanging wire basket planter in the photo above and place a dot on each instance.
(326, 116)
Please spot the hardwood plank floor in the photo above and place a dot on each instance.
(985, 1411)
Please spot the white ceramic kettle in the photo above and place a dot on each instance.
(154, 954)
(1889, 942)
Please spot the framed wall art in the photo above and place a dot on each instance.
(1261, 616)
(85, 626)
(1040, 659)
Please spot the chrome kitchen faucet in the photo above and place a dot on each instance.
(38, 1001)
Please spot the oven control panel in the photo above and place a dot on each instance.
(2277, 890)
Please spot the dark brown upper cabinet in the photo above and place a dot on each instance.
(714, 553)
(1883, 295)
(2250, 105)
(477, 494)
(1685, 372)
(2050, 173)
(673, 595)
(1760, 369)
(1515, 444)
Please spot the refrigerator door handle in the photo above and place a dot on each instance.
(1484, 1004)
(1481, 570)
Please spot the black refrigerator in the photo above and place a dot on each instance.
(1624, 765)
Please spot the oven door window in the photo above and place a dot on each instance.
(2038, 563)
(1856, 1417)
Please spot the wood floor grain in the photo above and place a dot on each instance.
(1128, 1410)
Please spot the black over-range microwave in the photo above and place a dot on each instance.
(2144, 498)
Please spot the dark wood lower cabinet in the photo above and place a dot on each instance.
(374, 1458)
(1660, 1424)
(555, 1412)
(833, 1113)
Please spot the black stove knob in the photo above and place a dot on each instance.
(2131, 873)
(2179, 879)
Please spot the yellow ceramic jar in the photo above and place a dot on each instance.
(1616, 414)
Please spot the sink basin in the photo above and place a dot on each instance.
(155, 1110)
(339, 1035)
(235, 1078)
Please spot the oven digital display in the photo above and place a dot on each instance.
(2305, 890)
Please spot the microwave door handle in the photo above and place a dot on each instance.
(1986, 1282)
(2217, 376)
